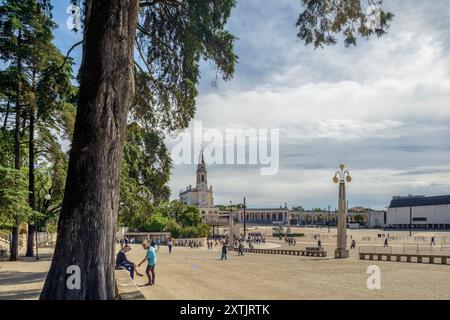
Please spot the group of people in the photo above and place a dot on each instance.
(258, 239)
(291, 241)
(210, 244)
(125, 241)
(238, 245)
(150, 256)
(189, 243)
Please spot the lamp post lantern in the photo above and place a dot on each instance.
(341, 177)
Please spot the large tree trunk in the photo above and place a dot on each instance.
(31, 188)
(14, 245)
(89, 211)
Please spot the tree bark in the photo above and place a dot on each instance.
(5, 121)
(31, 184)
(86, 227)
(14, 246)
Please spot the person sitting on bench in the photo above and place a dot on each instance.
(122, 262)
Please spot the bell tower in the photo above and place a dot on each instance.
(202, 181)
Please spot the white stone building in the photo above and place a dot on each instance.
(420, 211)
(265, 215)
(201, 196)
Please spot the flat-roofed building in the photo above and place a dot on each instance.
(420, 211)
(268, 215)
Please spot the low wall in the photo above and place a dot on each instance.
(312, 252)
(402, 257)
(126, 289)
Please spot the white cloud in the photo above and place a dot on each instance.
(382, 107)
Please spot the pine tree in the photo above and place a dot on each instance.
(36, 79)
(171, 36)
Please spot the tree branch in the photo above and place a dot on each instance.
(154, 2)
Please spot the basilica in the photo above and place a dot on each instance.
(202, 195)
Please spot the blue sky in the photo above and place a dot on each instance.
(381, 107)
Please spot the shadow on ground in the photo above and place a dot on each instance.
(20, 295)
(42, 257)
(16, 278)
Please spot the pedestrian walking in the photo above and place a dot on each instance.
(224, 251)
(170, 244)
(241, 248)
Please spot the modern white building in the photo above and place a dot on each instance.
(420, 211)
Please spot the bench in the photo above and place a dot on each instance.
(315, 252)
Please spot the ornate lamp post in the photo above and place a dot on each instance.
(341, 176)
(231, 238)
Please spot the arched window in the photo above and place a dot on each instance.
(203, 178)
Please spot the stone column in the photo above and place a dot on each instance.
(288, 223)
(341, 250)
(231, 236)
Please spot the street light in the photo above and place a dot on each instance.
(230, 237)
(341, 176)
(245, 228)
(410, 215)
(328, 219)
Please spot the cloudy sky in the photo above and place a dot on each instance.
(382, 108)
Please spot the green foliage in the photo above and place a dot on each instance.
(288, 235)
(148, 161)
(47, 95)
(14, 208)
(358, 218)
(172, 38)
(321, 20)
(6, 148)
(175, 217)
(145, 173)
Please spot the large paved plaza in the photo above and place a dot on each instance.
(200, 274)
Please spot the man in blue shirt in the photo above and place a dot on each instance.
(151, 263)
